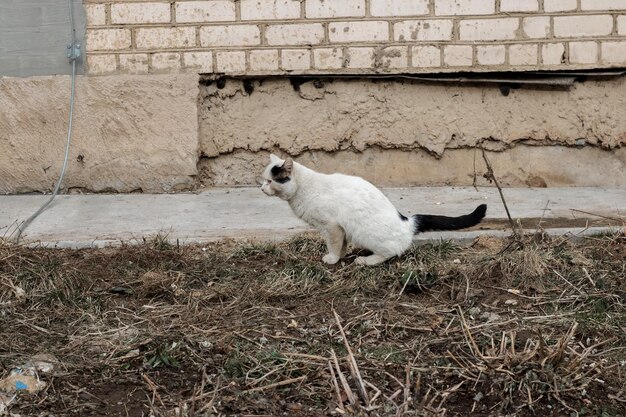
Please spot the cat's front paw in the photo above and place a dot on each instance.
(330, 259)
(361, 260)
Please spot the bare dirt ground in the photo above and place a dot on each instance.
(502, 327)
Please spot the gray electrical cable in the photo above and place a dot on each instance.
(73, 54)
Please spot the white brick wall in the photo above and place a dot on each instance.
(155, 38)
(603, 4)
(393, 8)
(360, 57)
(108, 39)
(269, 9)
(126, 13)
(328, 58)
(523, 55)
(295, 59)
(552, 6)
(231, 61)
(352, 36)
(491, 54)
(621, 25)
(458, 55)
(134, 63)
(537, 27)
(165, 61)
(488, 29)
(371, 31)
(423, 30)
(583, 26)
(205, 11)
(264, 60)
(552, 53)
(95, 14)
(199, 61)
(426, 56)
(583, 52)
(464, 7)
(614, 52)
(296, 34)
(316, 9)
(233, 35)
(519, 5)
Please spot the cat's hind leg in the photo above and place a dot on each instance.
(371, 260)
(335, 241)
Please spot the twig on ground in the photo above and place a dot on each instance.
(491, 177)
(278, 384)
(354, 368)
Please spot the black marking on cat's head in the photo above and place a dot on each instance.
(403, 217)
(281, 173)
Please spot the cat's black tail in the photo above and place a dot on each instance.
(428, 222)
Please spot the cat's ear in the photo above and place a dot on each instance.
(274, 159)
(288, 166)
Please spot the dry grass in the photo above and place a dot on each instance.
(260, 329)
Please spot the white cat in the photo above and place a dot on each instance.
(348, 209)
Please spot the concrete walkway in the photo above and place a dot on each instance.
(100, 220)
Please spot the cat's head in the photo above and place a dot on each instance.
(278, 178)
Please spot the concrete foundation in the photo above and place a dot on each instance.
(167, 133)
(131, 133)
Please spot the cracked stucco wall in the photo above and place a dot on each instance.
(409, 133)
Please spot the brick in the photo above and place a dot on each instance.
(358, 31)
(95, 14)
(519, 5)
(458, 56)
(108, 39)
(205, 11)
(464, 7)
(296, 34)
(134, 63)
(577, 26)
(537, 27)
(201, 62)
(164, 38)
(230, 61)
(621, 25)
(165, 61)
(583, 52)
(559, 5)
(101, 64)
(523, 54)
(231, 35)
(360, 57)
(328, 58)
(425, 56)
(614, 52)
(133, 13)
(295, 59)
(491, 55)
(264, 60)
(552, 53)
(603, 4)
(393, 8)
(423, 30)
(488, 29)
(269, 9)
(391, 57)
(316, 9)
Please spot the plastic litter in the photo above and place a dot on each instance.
(25, 378)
